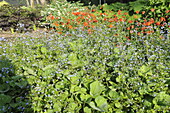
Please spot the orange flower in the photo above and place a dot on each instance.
(111, 20)
(78, 18)
(162, 19)
(132, 26)
(119, 12)
(92, 15)
(85, 24)
(60, 33)
(137, 12)
(135, 16)
(70, 27)
(110, 25)
(149, 32)
(123, 17)
(105, 19)
(128, 28)
(93, 10)
(89, 31)
(121, 20)
(92, 26)
(95, 20)
(50, 17)
(126, 13)
(127, 37)
(151, 20)
(143, 12)
(152, 9)
(83, 13)
(158, 23)
(76, 13)
(130, 21)
(144, 20)
(143, 28)
(167, 11)
(56, 24)
(138, 33)
(147, 23)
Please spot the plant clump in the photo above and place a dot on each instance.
(20, 19)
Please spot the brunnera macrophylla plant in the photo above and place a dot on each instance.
(100, 72)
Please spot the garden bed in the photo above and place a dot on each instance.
(88, 60)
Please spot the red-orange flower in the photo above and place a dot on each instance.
(135, 16)
(143, 28)
(138, 33)
(52, 17)
(76, 13)
(126, 13)
(137, 12)
(85, 24)
(143, 12)
(83, 13)
(70, 27)
(89, 30)
(132, 26)
(93, 26)
(147, 23)
(110, 25)
(92, 15)
(127, 37)
(95, 20)
(152, 9)
(56, 24)
(93, 10)
(128, 28)
(158, 23)
(151, 21)
(149, 32)
(162, 19)
(121, 19)
(130, 21)
(119, 12)
(167, 11)
(60, 33)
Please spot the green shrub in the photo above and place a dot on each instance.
(82, 73)
(21, 19)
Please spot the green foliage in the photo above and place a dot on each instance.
(116, 6)
(159, 6)
(62, 8)
(19, 19)
(14, 89)
(138, 5)
(97, 73)
(3, 3)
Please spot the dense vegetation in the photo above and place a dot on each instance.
(92, 59)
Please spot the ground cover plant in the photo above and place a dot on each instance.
(92, 62)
